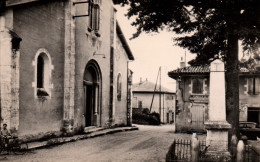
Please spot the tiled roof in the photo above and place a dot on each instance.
(191, 69)
(147, 86)
(205, 69)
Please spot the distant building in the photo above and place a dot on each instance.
(63, 66)
(193, 96)
(143, 93)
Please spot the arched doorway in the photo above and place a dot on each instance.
(92, 82)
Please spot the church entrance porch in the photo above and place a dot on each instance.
(91, 82)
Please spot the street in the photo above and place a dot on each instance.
(149, 143)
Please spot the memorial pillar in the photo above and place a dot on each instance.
(217, 126)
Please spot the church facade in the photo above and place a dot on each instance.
(63, 66)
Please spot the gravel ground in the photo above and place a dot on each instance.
(149, 143)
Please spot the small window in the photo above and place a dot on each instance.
(43, 74)
(119, 87)
(253, 85)
(140, 104)
(94, 20)
(169, 97)
(197, 86)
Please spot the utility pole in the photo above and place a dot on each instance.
(154, 90)
(160, 108)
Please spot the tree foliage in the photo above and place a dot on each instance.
(205, 24)
(209, 28)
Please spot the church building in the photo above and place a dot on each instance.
(63, 66)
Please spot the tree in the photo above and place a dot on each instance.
(209, 28)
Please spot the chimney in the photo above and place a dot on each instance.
(182, 63)
(140, 81)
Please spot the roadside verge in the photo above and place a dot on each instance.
(62, 140)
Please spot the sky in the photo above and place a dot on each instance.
(152, 51)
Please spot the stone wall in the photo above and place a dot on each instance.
(186, 101)
(41, 26)
(247, 100)
(69, 69)
(9, 71)
(88, 44)
(120, 68)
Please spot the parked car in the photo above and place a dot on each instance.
(249, 129)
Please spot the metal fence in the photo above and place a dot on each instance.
(251, 155)
(180, 150)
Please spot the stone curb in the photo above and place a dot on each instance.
(62, 140)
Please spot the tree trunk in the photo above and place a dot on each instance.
(232, 84)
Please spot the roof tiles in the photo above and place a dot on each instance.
(192, 69)
(205, 69)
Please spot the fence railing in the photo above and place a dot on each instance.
(251, 155)
(181, 150)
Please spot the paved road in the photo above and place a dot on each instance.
(149, 143)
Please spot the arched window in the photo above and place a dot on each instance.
(43, 69)
(40, 72)
(119, 87)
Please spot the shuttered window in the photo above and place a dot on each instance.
(253, 85)
(197, 86)
(94, 23)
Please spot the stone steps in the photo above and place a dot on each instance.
(91, 129)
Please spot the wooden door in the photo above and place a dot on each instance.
(197, 117)
(89, 105)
